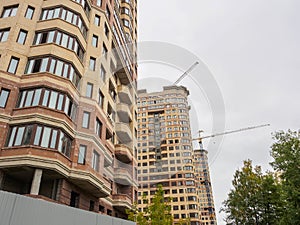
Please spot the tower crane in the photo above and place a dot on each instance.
(186, 73)
(199, 139)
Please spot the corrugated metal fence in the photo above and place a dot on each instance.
(20, 210)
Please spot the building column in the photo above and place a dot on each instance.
(36, 182)
(1, 179)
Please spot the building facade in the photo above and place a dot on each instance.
(204, 187)
(67, 102)
(166, 156)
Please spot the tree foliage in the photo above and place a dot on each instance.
(158, 212)
(253, 199)
(270, 198)
(286, 154)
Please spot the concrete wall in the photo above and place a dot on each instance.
(20, 210)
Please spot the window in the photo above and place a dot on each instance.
(126, 23)
(100, 99)
(89, 90)
(81, 154)
(95, 161)
(74, 201)
(51, 99)
(86, 120)
(3, 97)
(9, 11)
(102, 73)
(97, 20)
(39, 135)
(106, 30)
(92, 65)
(60, 38)
(95, 41)
(99, 3)
(22, 37)
(67, 15)
(54, 66)
(104, 50)
(98, 127)
(108, 12)
(13, 65)
(4, 34)
(29, 12)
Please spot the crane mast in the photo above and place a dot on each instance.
(186, 73)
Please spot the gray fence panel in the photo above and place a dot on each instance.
(7, 202)
(21, 210)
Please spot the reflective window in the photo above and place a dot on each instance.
(13, 65)
(29, 12)
(92, 65)
(9, 11)
(97, 20)
(67, 15)
(4, 34)
(86, 120)
(22, 37)
(81, 154)
(4, 94)
(95, 161)
(51, 99)
(54, 66)
(89, 90)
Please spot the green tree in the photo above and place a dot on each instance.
(253, 199)
(286, 154)
(158, 212)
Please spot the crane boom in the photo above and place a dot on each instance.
(230, 132)
(186, 73)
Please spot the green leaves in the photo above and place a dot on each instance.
(158, 211)
(270, 198)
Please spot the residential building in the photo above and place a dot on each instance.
(204, 187)
(67, 102)
(165, 153)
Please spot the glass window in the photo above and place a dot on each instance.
(86, 120)
(9, 11)
(13, 65)
(3, 97)
(46, 137)
(22, 37)
(102, 73)
(92, 64)
(98, 127)
(100, 99)
(99, 3)
(89, 90)
(95, 161)
(97, 20)
(4, 34)
(81, 154)
(29, 12)
(95, 41)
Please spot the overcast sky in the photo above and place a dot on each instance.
(252, 49)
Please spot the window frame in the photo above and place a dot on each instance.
(82, 153)
(29, 15)
(22, 32)
(15, 68)
(4, 33)
(3, 102)
(96, 161)
(86, 116)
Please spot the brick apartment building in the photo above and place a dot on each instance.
(67, 106)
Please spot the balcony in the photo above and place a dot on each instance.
(123, 153)
(123, 173)
(122, 202)
(124, 133)
(124, 94)
(124, 113)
